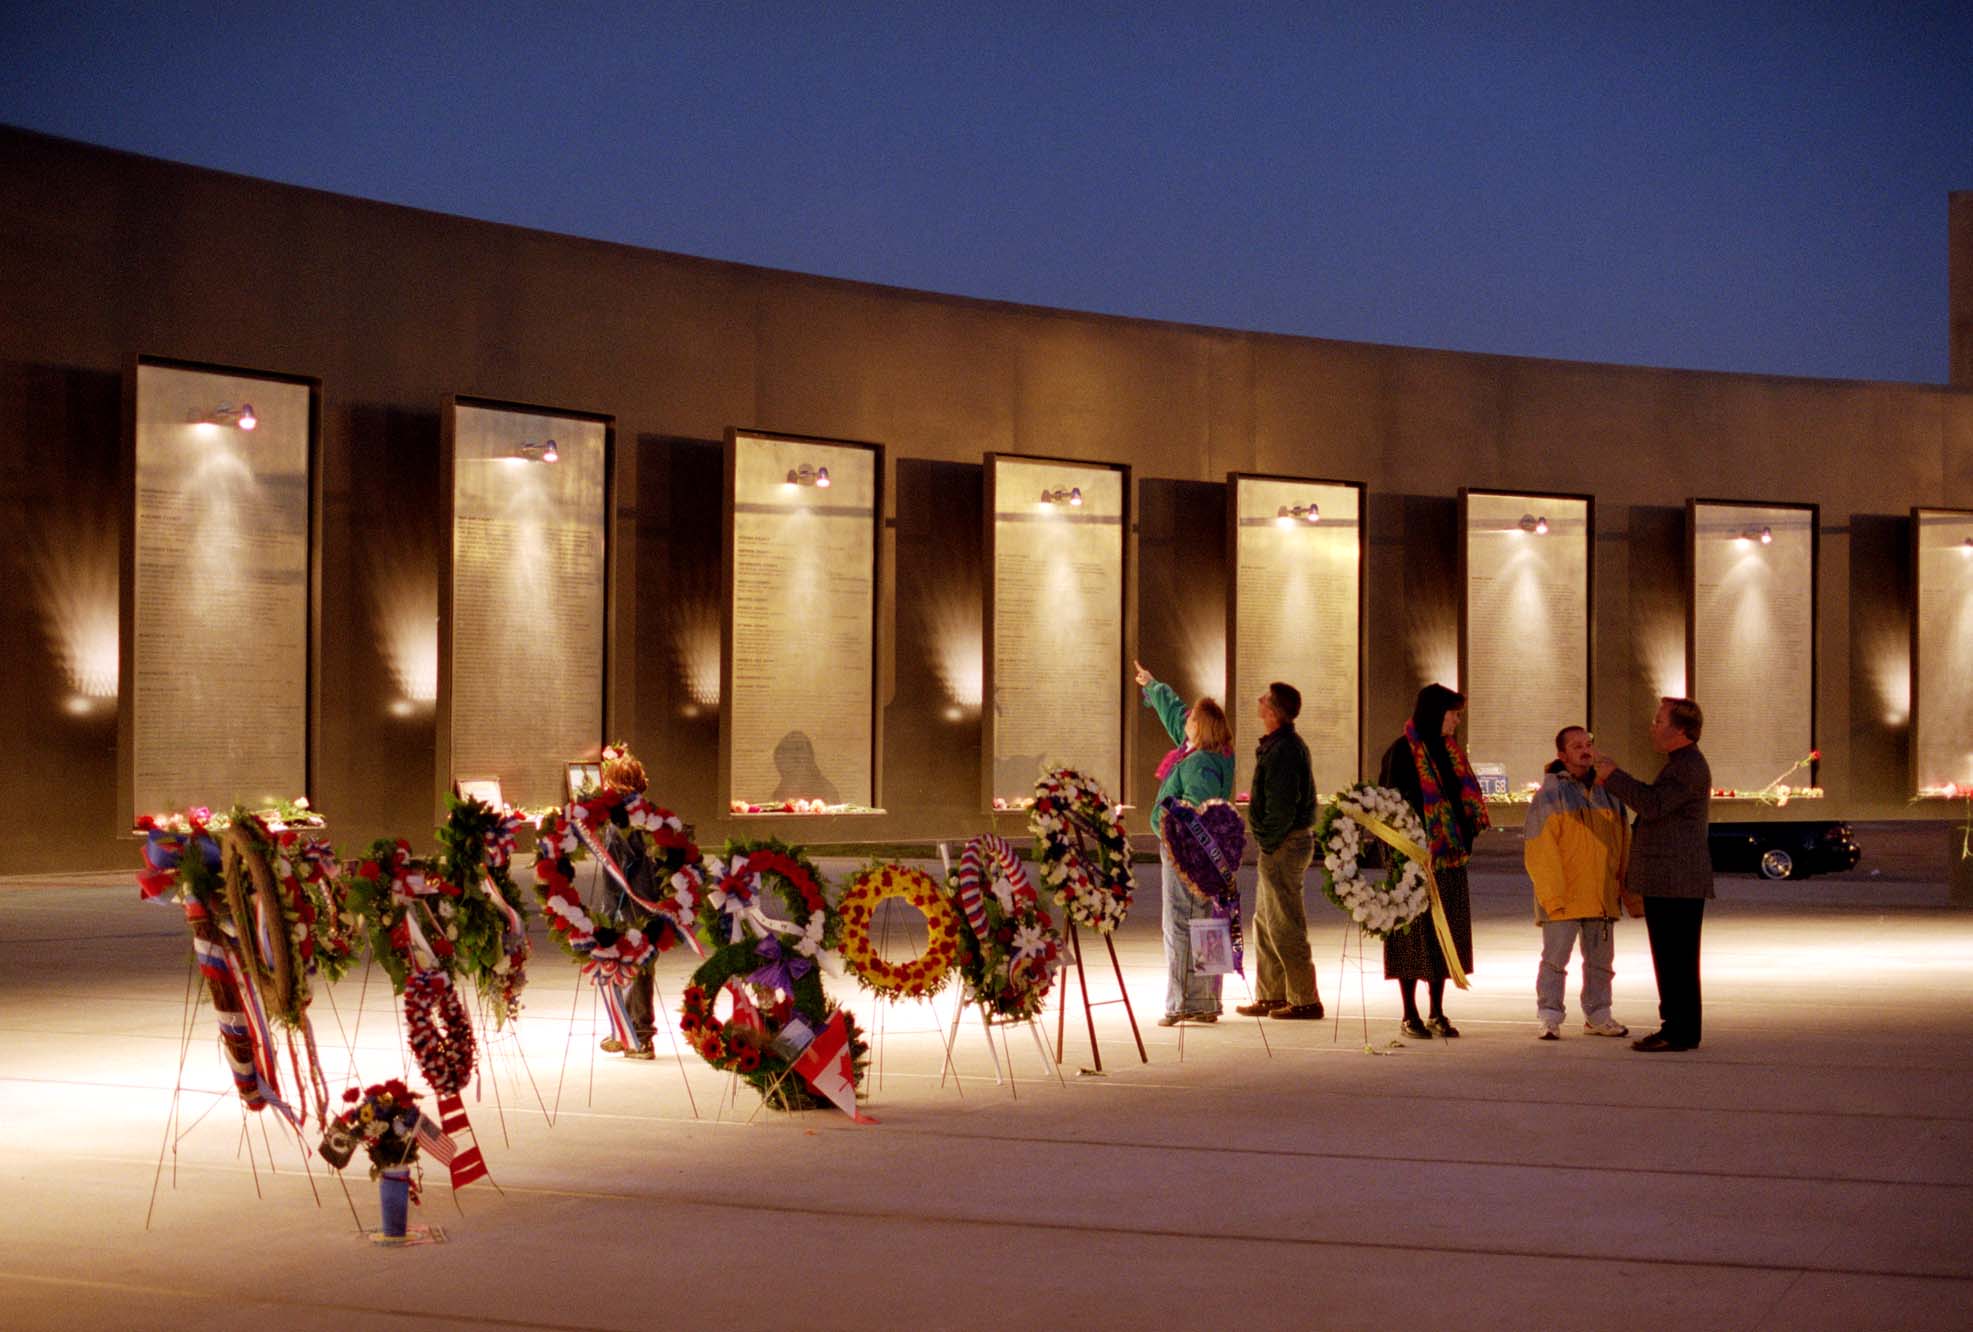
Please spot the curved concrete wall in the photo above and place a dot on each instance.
(104, 256)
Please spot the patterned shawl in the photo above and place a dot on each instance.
(1440, 819)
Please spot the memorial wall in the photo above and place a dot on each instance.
(1297, 601)
(217, 627)
(105, 255)
(1942, 653)
(1753, 650)
(1055, 676)
(801, 637)
(522, 634)
(1526, 647)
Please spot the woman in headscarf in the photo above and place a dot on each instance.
(1427, 766)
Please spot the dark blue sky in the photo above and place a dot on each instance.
(1755, 187)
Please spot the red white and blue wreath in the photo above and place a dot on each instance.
(1011, 948)
(619, 946)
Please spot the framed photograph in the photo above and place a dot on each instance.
(583, 777)
(486, 790)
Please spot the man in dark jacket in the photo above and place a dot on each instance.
(1670, 865)
(1282, 816)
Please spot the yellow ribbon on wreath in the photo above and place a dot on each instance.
(1396, 840)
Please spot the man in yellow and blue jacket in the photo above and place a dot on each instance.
(1577, 846)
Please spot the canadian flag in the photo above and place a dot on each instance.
(825, 1066)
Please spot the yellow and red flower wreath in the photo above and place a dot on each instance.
(923, 975)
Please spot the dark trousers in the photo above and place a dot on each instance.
(637, 1007)
(1673, 924)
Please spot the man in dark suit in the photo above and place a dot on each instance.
(1670, 865)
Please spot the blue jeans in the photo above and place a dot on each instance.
(1599, 946)
(1184, 991)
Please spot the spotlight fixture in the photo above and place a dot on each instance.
(808, 475)
(1069, 495)
(1531, 523)
(226, 414)
(1966, 546)
(545, 452)
(1764, 535)
(1286, 515)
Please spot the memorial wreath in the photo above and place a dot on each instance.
(923, 975)
(770, 967)
(492, 947)
(1011, 949)
(1391, 901)
(1073, 820)
(620, 945)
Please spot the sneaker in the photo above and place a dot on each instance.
(1548, 1033)
(1415, 1029)
(611, 1045)
(1260, 1007)
(1201, 1017)
(1171, 1019)
(646, 1053)
(1298, 1012)
(1607, 1027)
(1441, 1026)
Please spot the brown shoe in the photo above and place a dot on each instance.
(1260, 1007)
(645, 1053)
(1298, 1012)
(610, 1045)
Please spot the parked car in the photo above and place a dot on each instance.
(1792, 850)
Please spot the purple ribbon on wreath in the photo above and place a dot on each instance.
(782, 969)
(1194, 838)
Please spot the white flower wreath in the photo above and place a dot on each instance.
(1380, 906)
(1096, 894)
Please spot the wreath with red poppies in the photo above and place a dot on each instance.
(769, 965)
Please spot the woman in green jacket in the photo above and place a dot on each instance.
(1198, 770)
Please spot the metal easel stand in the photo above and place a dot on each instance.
(1352, 935)
(988, 1023)
(1089, 1006)
(1260, 1019)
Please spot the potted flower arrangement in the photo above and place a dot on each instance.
(384, 1120)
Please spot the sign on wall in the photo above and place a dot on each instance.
(1942, 652)
(216, 649)
(523, 614)
(801, 625)
(1055, 622)
(1752, 642)
(1525, 626)
(1296, 614)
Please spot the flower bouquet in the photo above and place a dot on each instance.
(383, 1120)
